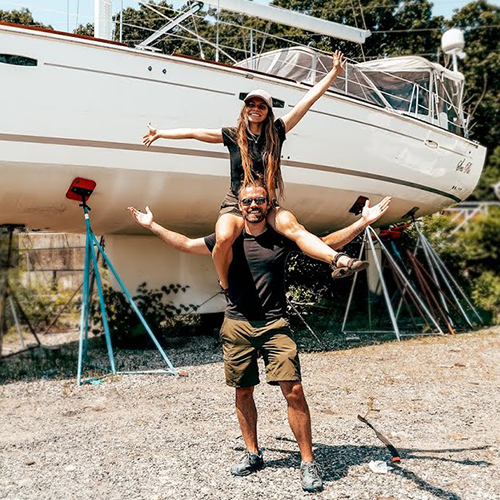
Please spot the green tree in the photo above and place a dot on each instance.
(480, 23)
(21, 16)
(387, 20)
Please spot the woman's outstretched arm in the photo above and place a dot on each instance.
(297, 113)
(213, 136)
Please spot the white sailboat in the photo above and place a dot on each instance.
(74, 106)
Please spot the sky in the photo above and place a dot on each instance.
(55, 12)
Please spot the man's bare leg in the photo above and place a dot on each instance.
(300, 422)
(299, 417)
(247, 417)
(252, 460)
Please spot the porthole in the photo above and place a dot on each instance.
(17, 60)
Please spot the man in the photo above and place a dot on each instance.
(255, 320)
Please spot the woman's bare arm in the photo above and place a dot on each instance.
(297, 113)
(213, 136)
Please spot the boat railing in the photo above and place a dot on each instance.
(421, 103)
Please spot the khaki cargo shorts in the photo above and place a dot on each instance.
(241, 341)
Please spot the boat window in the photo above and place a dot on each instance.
(405, 91)
(17, 60)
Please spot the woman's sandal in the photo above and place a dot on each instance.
(354, 265)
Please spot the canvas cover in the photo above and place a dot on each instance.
(409, 84)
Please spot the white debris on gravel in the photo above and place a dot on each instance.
(157, 437)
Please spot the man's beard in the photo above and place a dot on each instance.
(256, 216)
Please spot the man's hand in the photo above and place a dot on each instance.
(144, 219)
(373, 214)
(151, 136)
(338, 61)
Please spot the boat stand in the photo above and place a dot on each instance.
(8, 296)
(442, 277)
(93, 247)
(405, 287)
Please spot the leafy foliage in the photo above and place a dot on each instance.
(126, 329)
(479, 21)
(40, 303)
(21, 16)
(486, 294)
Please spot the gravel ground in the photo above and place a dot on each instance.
(155, 437)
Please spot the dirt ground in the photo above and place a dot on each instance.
(158, 437)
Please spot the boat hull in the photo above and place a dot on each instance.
(81, 112)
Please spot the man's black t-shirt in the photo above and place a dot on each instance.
(256, 275)
(256, 148)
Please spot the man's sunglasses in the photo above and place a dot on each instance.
(260, 200)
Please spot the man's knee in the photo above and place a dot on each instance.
(244, 393)
(294, 394)
(225, 237)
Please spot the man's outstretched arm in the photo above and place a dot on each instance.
(369, 215)
(176, 240)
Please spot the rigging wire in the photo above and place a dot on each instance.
(186, 29)
(77, 12)
(198, 36)
(356, 24)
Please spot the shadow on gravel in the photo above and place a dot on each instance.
(60, 361)
(336, 460)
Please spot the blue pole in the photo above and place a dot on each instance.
(84, 312)
(101, 295)
(88, 297)
(134, 307)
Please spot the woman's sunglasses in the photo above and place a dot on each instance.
(251, 104)
(260, 200)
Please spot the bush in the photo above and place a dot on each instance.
(162, 316)
(486, 294)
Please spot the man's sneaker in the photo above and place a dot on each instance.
(310, 477)
(250, 462)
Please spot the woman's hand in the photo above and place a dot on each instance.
(338, 61)
(144, 219)
(151, 136)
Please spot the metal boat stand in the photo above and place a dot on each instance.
(443, 281)
(93, 247)
(405, 287)
(7, 295)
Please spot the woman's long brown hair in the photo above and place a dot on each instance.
(271, 159)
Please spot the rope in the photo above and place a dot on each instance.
(311, 331)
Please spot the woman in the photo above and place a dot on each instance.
(255, 150)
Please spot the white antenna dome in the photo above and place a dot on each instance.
(452, 41)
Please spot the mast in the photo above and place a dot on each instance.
(103, 19)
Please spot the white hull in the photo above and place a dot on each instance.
(82, 111)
